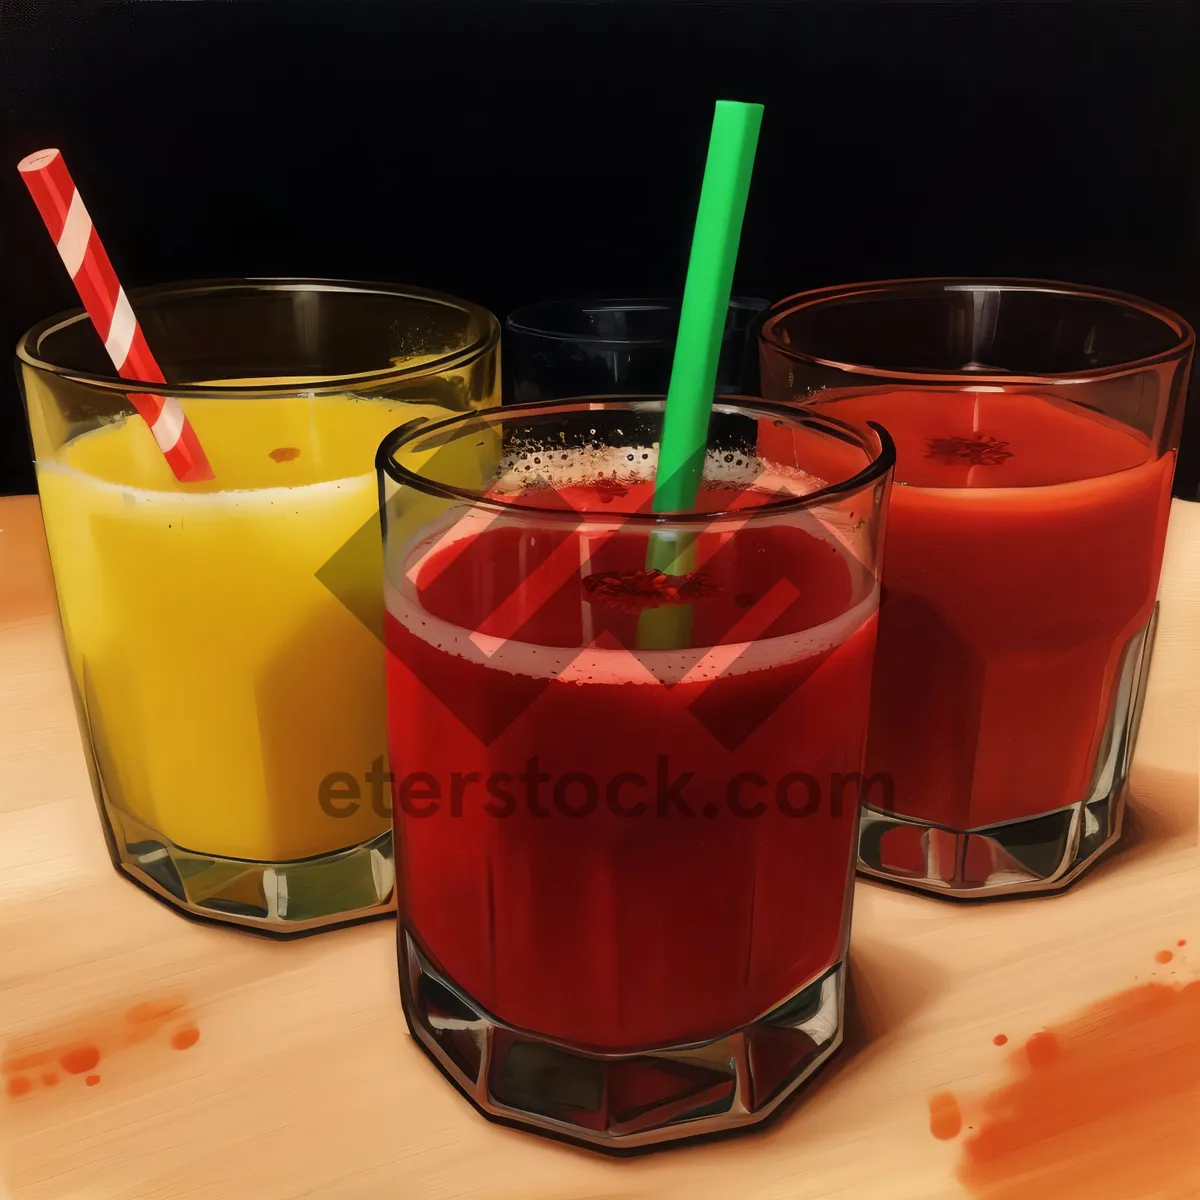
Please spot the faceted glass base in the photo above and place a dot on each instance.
(272, 897)
(1043, 853)
(619, 1101)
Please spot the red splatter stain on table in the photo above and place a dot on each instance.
(182, 1039)
(77, 1048)
(945, 1117)
(1086, 1100)
(79, 1059)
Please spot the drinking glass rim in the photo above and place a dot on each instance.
(488, 338)
(883, 459)
(1184, 334)
(512, 322)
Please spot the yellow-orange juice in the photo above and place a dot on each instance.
(222, 681)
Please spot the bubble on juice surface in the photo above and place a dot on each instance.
(557, 469)
(552, 468)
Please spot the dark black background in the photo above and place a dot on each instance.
(512, 150)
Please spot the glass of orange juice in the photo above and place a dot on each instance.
(224, 637)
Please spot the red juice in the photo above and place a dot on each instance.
(1024, 541)
(620, 851)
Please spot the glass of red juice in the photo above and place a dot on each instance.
(1036, 426)
(627, 797)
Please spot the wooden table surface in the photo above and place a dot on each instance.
(304, 1081)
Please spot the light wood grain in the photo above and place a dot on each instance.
(305, 1082)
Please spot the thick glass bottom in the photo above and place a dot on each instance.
(619, 1101)
(280, 898)
(1043, 853)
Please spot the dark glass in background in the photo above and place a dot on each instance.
(624, 347)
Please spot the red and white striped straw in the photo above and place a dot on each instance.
(58, 200)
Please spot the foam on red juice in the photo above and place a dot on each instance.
(626, 931)
(1024, 541)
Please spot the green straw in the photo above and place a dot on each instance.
(684, 439)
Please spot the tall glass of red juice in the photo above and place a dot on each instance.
(1036, 426)
(627, 799)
